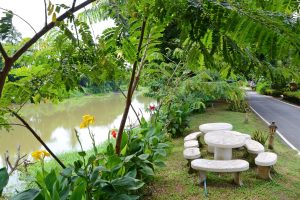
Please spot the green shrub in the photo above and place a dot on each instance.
(105, 175)
(260, 137)
(175, 119)
(273, 92)
(238, 106)
(261, 87)
(293, 97)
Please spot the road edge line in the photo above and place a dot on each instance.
(286, 102)
(278, 133)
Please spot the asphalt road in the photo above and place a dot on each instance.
(286, 117)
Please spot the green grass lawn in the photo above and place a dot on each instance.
(174, 182)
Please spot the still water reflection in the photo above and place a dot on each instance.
(56, 123)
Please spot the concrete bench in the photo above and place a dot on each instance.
(264, 162)
(191, 154)
(193, 136)
(254, 147)
(232, 166)
(191, 144)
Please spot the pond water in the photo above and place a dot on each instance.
(56, 122)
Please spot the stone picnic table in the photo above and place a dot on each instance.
(205, 128)
(223, 143)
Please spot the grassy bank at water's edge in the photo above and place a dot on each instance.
(173, 181)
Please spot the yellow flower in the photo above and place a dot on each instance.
(87, 120)
(37, 155)
(46, 153)
(40, 154)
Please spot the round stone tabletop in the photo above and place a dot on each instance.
(224, 139)
(215, 127)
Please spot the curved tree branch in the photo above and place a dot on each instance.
(37, 137)
(46, 28)
(45, 10)
(3, 52)
(12, 124)
(10, 60)
(73, 4)
(19, 18)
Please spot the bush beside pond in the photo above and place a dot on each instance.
(104, 175)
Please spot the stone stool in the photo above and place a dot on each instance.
(264, 162)
(191, 144)
(191, 154)
(193, 136)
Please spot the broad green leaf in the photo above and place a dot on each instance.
(128, 158)
(147, 170)
(55, 194)
(50, 180)
(154, 140)
(121, 171)
(144, 156)
(125, 197)
(124, 140)
(132, 173)
(126, 183)
(161, 152)
(82, 153)
(67, 172)
(124, 150)
(29, 194)
(162, 145)
(95, 173)
(113, 161)
(110, 149)
(79, 191)
(159, 163)
(3, 178)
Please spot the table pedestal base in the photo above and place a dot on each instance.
(210, 149)
(223, 153)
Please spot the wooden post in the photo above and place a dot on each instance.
(272, 129)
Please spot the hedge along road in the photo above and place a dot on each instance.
(286, 117)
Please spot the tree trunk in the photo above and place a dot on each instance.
(130, 91)
(4, 73)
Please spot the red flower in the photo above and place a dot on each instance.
(152, 107)
(114, 133)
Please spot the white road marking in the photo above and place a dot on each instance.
(278, 133)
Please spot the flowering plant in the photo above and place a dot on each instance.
(152, 107)
(40, 154)
(88, 120)
(114, 133)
